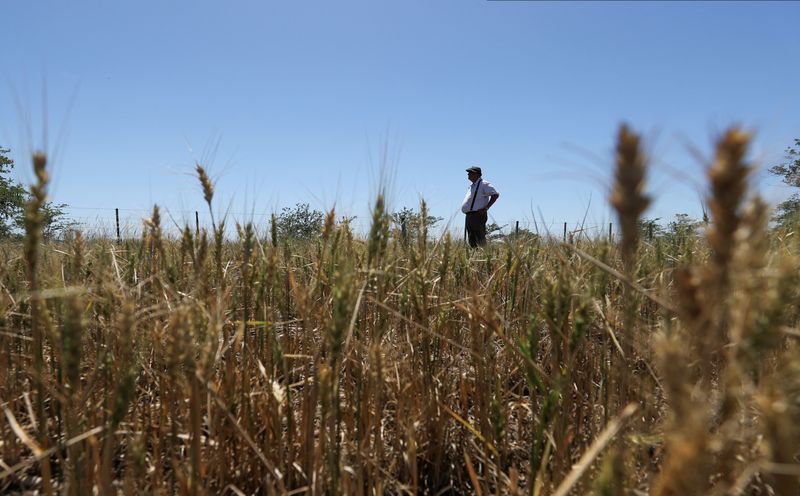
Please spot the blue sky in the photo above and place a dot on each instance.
(289, 102)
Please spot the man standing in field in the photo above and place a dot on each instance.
(480, 197)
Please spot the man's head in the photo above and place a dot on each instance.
(473, 173)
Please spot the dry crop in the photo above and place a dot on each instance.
(200, 364)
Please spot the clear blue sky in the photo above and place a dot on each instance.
(290, 102)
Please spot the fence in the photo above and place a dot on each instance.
(128, 222)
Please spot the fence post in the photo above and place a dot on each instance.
(610, 235)
(116, 212)
(196, 224)
(565, 232)
(516, 229)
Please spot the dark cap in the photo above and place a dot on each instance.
(475, 169)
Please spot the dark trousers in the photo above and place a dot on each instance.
(476, 228)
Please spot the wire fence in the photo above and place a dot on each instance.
(129, 222)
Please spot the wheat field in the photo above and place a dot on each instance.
(381, 364)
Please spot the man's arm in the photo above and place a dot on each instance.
(492, 199)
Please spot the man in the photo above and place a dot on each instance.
(480, 197)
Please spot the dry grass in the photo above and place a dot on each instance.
(372, 366)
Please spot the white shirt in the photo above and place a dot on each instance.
(485, 190)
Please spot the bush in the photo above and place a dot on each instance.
(14, 196)
(299, 222)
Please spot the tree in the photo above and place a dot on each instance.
(650, 229)
(683, 227)
(55, 222)
(677, 231)
(681, 231)
(494, 232)
(409, 221)
(14, 196)
(786, 213)
(299, 222)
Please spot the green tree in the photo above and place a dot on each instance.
(494, 232)
(683, 227)
(786, 213)
(299, 222)
(681, 232)
(14, 196)
(650, 229)
(409, 221)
